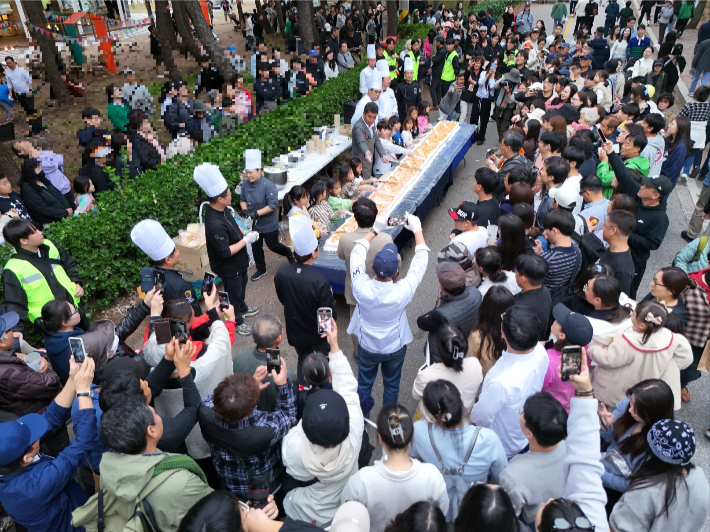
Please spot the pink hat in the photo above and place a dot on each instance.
(448, 24)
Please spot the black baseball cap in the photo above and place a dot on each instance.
(326, 420)
(466, 211)
(659, 182)
(577, 327)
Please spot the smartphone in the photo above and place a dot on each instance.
(397, 219)
(571, 361)
(489, 153)
(273, 360)
(147, 279)
(178, 330)
(493, 67)
(223, 300)
(208, 283)
(325, 314)
(163, 334)
(76, 345)
(601, 135)
(158, 280)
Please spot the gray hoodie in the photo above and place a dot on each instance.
(653, 151)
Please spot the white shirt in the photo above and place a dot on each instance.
(365, 79)
(511, 380)
(380, 317)
(473, 239)
(18, 80)
(360, 109)
(387, 104)
(509, 283)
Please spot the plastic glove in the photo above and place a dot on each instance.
(380, 224)
(251, 237)
(414, 224)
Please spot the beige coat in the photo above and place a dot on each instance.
(345, 247)
(627, 362)
(485, 355)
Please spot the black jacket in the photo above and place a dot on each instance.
(176, 429)
(44, 204)
(210, 78)
(317, 71)
(221, 231)
(302, 290)
(652, 222)
(177, 287)
(437, 62)
(177, 113)
(15, 298)
(99, 177)
(148, 156)
(86, 135)
(407, 94)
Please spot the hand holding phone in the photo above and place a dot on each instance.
(147, 279)
(273, 360)
(158, 279)
(178, 330)
(397, 219)
(324, 316)
(163, 334)
(208, 283)
(76, 347)
(223, 300)
(571, 361)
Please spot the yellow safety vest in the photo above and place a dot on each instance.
(36, 286)
(415, 64)
(448, 73)
(392, 62)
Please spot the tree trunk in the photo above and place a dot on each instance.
(183, 28)
(50, 57)
(307, 26)
(240, 11)
(166, 37)
(698, 15)
(392, 19)
(280, 17)
(204, 33)
(267, 25)
(8, 166)
(148, 9)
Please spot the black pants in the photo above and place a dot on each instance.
(236, 287)
(657, 13)
(480, 116)
(572, 6)
(639, 269)
(272, 242)
(680, 25)
(435, 91)
(303, 353)
(503, 118)
(691, 373)
(444, 87)
(646, 8)
(27, 101)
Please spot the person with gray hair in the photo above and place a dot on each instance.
(267, 332)
(510, 146)
(589, 116)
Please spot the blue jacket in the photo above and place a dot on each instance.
(612, 11)
(684, 257)
(611, 477)
(600, 51)
(673, 164)
(100, 447)
(5, 95)
(58, 351)
(42, 496)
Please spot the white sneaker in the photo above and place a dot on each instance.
(683, 178)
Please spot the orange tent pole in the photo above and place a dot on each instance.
(101, 31)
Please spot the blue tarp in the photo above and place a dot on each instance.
(420, 200)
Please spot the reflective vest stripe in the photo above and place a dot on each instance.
(31, 278)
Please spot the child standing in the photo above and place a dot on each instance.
(423, 117)
(84, 194)
(570, 328)
(413, 113)
(319, 209)
(395, 126)
(335, 200)
(351, 188)
(408, 131)
(295, 203)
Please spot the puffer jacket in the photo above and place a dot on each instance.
(628, 361)
(684, 258)
(333, 466)
(23, 390)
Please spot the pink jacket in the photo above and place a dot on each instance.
(427, 48)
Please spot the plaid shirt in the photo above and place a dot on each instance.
(234, 471)
(323, 213)
(350, 190)
(696, 111)
(697, 314)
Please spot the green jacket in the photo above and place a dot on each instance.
(337, 203)
(606, 174)
(246, 362)
(559, 10)
(118, 115)
(686, 10)
(128, 478)
(228, 124)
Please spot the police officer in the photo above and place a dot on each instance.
(226, 244)
(451, 66)
(391, 57)
(164, 256)
(259, 199)
(37, 272)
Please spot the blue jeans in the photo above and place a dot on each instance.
(692, 161)
(696, 77)
(368, 363)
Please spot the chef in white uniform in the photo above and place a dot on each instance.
(388, 101)
(369, 70)
(374, 93)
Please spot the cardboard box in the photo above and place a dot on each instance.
(193, 262)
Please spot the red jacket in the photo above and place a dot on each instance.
(699, 278)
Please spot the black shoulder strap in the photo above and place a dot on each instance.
(100, 510)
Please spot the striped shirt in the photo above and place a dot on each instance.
(564, 264)
(323, 213)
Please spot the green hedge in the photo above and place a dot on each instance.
(100, 241)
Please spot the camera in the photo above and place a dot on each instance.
(258, 489)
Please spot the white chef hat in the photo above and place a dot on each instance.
(376, 81)
(383, 68)
(252, 159)
(408, 64)
(371, 51)
(210, 179)
(302, 235)
(150, 236)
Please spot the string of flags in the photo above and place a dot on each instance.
(61, 18)
(89, 39)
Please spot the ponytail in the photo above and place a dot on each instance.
(54, 314)
(489, 260)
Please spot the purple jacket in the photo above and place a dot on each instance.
(53, 166)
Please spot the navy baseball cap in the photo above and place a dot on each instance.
(386, 262)
(16, 436)
(563, 45)
(588, 57)
(8, 321)
(577, 327)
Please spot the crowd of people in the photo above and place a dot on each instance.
(551, 378)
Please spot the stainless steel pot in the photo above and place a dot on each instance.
(296, 157)
(278, 176)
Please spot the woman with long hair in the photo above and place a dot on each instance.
(44, 203)
(667, 44)
(526, 213)
(618, 49)
(488, 262)
(579, 100)
(678, 147)
(330, 65)
(484, 87)
(613, 36)
(672, 491)
(394, 483)
(673, 65)
(625, 431)
(532, 134)
(486, 342)
(512, 240)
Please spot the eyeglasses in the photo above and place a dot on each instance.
(561, 523)
(656, 283)
(521, 411)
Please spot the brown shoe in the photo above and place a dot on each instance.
(434, 108)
